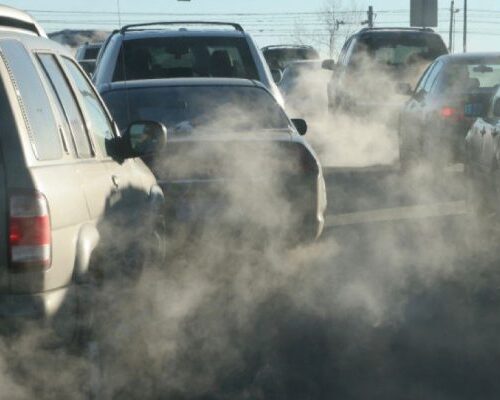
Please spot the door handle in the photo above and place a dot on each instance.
(116, 181)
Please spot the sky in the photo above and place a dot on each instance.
(269, 21)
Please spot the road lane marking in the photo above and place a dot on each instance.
(396, 214)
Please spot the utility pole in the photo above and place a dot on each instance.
(465, 26)
(369, 21)
(119, 10)
(453, 11)
(370, 17)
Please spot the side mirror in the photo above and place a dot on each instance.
(144, 138)
(474, 110)
(88, 66)
(328, 64)
(404, 89)
(277, 75)
(420, 95)
(496, 107)
(300, 125)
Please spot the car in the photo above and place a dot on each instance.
(302, 87)
(279, 56)
(232, 153)
(373, 61)
(146, 51)
(432, 125)
(69, 182)
(482, 157)
(86, 55)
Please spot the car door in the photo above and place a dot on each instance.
(92, 173)
(412, 114)
(487, 131)
(127, 186)
(334, 79)
(128, 213)
(47, 166)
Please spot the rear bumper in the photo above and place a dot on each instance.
(444, 146)
(307, 198)
(32, 306)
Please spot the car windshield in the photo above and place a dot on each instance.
(398, 49)
(175, 57)
(184, 109)
(280, 58)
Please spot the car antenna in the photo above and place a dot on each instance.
(122, 52)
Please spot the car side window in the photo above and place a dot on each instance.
(101, 127)
(343, 52)
(68, 103)
(34, 101)
(491, 111)
(350, 49)
(423, 79)
(432, 77)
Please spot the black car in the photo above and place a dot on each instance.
(233, 157)
(432, 124)
(371, 63)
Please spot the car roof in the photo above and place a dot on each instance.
(287, 46)
(395, 30)
(471, 57)
(165, 82)
(91, 45)
(34, 42)
(20, 21)
(182, 32)
(304, 62)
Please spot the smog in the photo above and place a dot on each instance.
(403, 308)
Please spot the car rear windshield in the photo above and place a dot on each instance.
(280, 58)
(470, 75)
(184, 109)
(403, 48)
(91, 53)
(178, 57)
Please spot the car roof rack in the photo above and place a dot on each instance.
(395, 28)
(19, 20)
(130, 27)
(277, 46)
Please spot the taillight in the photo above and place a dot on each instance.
(29, 231)
(308, 162)
(450, 113)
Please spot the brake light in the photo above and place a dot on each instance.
(308, 163)
(450, 112)
(29, 232)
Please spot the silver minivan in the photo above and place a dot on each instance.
(73, 192)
